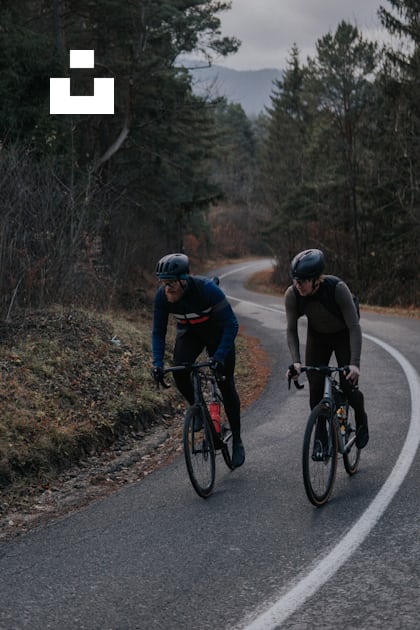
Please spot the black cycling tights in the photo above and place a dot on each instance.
(187, 348)
(319, 348)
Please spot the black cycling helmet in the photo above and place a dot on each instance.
(173, 267)
(307, 264)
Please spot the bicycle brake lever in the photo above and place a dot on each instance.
(296, 383)
(353, 386)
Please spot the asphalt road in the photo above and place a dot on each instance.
(256, 554)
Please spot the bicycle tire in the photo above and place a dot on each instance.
(199, 451)
(351, 458)
(319, 468)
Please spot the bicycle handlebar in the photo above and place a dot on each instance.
(187, 367)
(324, 369)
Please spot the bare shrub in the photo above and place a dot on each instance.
(50, 246)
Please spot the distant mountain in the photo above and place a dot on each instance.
(250, 88)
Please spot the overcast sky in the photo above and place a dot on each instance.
(269, 28)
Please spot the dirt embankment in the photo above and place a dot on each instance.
(80, 413)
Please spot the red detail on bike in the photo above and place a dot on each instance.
(214, 408)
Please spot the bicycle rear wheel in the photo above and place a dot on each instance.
(319, 455)
(199, 451)
(351, 458)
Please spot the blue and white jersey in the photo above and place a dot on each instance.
(202, 310)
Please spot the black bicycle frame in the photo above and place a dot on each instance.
(329, 401)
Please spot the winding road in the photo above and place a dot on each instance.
(256, 555)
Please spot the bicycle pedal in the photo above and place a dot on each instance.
(225, 429)
(227, 435)
(349, 444)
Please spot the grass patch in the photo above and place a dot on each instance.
(72, 383)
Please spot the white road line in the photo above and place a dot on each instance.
(233, 271)
(296, 596)
(265, 308)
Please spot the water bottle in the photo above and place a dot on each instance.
(214, 409)
(341, 415)
(341, 412)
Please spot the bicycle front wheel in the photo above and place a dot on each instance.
(352, 456)
(319, 455)
(199, 451)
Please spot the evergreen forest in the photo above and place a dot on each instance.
(88, 203)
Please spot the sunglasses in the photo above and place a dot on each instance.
(168, 283)
(301, 281)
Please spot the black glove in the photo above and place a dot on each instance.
(291, 373)
(157, 374)
(217, 367)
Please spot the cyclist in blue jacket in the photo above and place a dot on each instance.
(204, 319)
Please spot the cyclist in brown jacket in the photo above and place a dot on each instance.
(333, 326)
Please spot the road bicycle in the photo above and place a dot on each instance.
(206, 429)
(330, 430)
